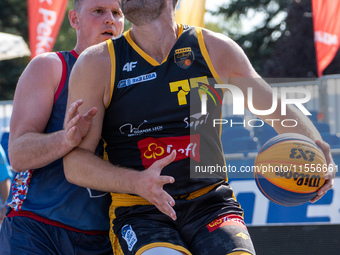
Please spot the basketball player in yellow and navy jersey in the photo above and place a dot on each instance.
(46, 214)
(146, 86)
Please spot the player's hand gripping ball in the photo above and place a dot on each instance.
(290, 169)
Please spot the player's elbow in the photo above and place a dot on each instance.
(16, 168)
(70, 176)
(68, 170)
(15, 162)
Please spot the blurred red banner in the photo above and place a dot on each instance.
(326, 18)
(44, 21)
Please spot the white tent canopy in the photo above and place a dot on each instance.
(12, 46)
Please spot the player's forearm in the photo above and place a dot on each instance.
(85, 169)
(34, 150)
(2, 214)
(4, 189)
(303, 125)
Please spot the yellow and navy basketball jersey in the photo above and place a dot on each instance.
(156, 108)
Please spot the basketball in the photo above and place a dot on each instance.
(289, 169)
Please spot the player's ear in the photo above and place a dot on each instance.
(73, 17)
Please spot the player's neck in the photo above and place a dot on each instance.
(156, 38)
(79, 49)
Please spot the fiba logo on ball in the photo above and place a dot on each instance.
(290, 169)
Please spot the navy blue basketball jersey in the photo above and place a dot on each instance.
(45, 194)
(156, 108)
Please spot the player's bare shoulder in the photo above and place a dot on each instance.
(91, 72)
(226, 55)
(45, 68)
(95, 56)
(47, 60)
(95, 60)
(217, 38)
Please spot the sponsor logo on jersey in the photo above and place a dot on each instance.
(136, 80)
(196, 120)
(200, 84)
(129, 66)
(153, 149)
(129, 130)
(230, 219)
(184, 57)
(242, 235)
(129, 236)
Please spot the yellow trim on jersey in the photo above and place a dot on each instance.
(239, 253)
(117, 249)
(126, 200)
(225, 163)
(207, 59)
(206, 56)
(139, 50)
(113, 67)
(105, 155)
(145, 55)
(180, 29)
(163, 244)
(201, 192)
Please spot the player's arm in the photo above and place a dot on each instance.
(33, 101)
(4, 191)
(90, 81)
(233, 66)
(231, 62)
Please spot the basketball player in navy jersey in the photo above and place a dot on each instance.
(146, 86)
(47, 214)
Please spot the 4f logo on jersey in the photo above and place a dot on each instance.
(129, 66)
(184, 57)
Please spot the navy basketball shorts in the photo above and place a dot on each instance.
(26, 236)
(210, 224)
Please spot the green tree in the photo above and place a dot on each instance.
(67, 37)
(258, 44)
(278, 48)
(13, 20)
(13, 15)
(294, 53)
(213, 27)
